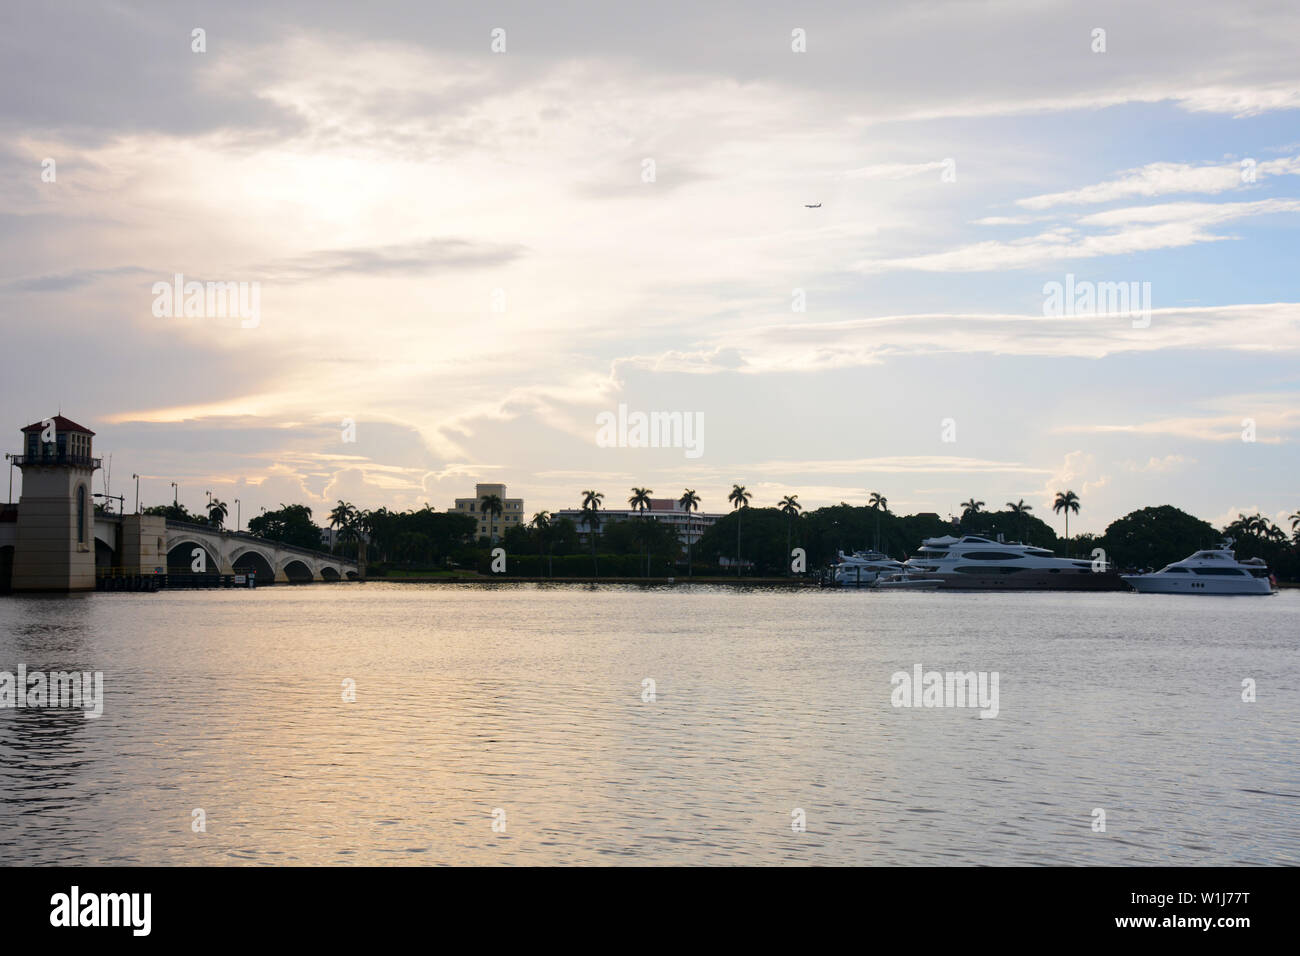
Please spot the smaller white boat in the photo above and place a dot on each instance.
(861, 568)
(1215, 571)
(905, 582)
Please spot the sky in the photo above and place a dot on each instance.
(472, 229)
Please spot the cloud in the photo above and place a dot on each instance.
(898, 464)
(1164, 465)
(1175, 225)
(1076, 472)
(1240, 101)
(385, 178)
(68, 281)
(894, 170)
(822, 346)
(1191, 214)
(421, 257)
(1272, 420)
(1160, 179)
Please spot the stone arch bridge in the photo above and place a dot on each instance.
(171, 545)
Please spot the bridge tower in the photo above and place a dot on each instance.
(55, 546)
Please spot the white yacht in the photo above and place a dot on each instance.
(861, 568)
(1207, 572)
(974, 563)
(905, 581)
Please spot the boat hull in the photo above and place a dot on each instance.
(1196, 584)
(850, 580)
(1030, 579)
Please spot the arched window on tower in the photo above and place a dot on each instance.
(81, 514)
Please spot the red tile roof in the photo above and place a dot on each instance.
(60, 424)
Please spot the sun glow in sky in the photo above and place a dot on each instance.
(458, 249)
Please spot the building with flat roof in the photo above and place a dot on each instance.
(688, 525)
(491, 526)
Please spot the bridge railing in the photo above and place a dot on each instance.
(244, 535)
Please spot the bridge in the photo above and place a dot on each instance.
(224, 552)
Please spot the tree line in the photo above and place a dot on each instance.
(751, 539)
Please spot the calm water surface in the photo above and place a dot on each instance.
(529, 699)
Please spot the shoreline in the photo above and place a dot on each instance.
(674, 581)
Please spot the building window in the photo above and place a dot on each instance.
(81, 514)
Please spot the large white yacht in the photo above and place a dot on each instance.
(974, 563)
(861, 568)
(1215, 571)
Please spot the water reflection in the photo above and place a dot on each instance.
(529, 700)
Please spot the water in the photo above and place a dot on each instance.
(528, 699)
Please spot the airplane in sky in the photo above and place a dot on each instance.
(812, 205)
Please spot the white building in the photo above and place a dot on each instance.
(688, 525)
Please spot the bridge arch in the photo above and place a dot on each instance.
(105, 554)
(297, 571)
(180, 556)
(248, 558)
(329, 573)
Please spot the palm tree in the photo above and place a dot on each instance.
(646, 530)
(1295, 521)
(640, 500)
(1022, 509)
(1266, 528)
(492, 507)
(217, 512)
(1246, 524)
(349, 531)
(379, 525)
(1066, 501)
(791, 507)
(363, 526)
(689, 501)
(971, 507)
(739, 499)
(341, 519)
(591, 518)
(878, 503)
(542, 525)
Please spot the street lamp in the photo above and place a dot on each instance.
(10, 459)
(236, 516)
(137, 493)
(176, 491)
